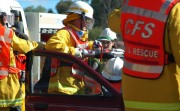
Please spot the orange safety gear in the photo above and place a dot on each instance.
(21, 64)
(54, 65)
(5, 44)
(145, 59)
(10, 91)
(79, 43)
(161, 94)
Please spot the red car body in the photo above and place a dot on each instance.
(57, 102)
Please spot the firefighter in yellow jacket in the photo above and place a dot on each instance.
(10, 92)
(70, 39)
(151, 73)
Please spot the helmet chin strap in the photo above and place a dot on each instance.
(73, 26)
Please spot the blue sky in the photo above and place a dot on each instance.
(45, 3)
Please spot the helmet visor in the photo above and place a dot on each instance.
(89, 22)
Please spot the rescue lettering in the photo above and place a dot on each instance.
(131, 27)
(145, 53)
(128, 49)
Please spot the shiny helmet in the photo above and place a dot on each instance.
(84, 9)
(6, 16)
(112, 69)
(107, 35)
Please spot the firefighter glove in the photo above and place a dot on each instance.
(41, 45)
(78, 52)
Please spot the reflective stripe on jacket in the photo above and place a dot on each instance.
(141, 24)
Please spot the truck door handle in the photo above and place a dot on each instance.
(40, 106)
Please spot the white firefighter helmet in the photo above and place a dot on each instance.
(5, 11)
(82, 8)
(113, 68)
(107, 34)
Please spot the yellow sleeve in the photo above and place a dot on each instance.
(172, 33)
(21, 45)
(61, 41)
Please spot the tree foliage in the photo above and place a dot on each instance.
(50, 11)
(102, 8)
(35, 9)
(62, 6)
(94, 33)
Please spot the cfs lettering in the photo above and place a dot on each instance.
(139, 26)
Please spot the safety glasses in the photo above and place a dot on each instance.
(89, 22)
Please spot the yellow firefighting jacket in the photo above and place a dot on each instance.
(63, 42)
(10, 94)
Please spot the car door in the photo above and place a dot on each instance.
(106, 98)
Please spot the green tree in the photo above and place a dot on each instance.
(63, 6)
(39, 8)
(50, 11)
(94, 33)
(29, 9)
(88, 1)
(102, 8)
